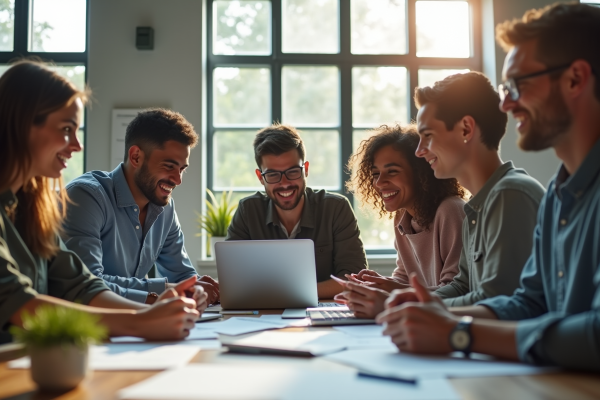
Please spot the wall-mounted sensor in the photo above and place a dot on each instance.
(144, 38)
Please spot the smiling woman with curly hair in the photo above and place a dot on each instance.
(428, 214)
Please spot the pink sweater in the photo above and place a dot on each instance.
(432, 254)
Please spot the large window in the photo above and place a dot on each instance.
(332, 68)
(54, 31)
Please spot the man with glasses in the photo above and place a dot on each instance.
(553, 91)
(290, 210)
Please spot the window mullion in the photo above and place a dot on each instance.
(346, 122)
(22, 19)
(413, 64)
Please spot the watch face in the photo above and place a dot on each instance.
(460, 340)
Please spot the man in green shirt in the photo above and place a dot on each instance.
(290, 210)
(461, 128)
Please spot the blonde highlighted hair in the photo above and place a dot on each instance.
(29, 92)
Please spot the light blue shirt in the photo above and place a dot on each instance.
(103, 228)
(558, 303)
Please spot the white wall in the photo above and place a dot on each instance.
(171, 75)
(168, 76)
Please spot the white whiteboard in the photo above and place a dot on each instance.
(121, 117)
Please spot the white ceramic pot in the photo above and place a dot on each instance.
(213, 240)
(59, 368)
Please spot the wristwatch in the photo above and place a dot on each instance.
(152, 297)
(460, 337)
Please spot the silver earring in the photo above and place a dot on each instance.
(465, 140)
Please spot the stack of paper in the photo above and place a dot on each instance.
(139, 356)
(210, 381)
(391, 363)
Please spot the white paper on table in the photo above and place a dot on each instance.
(136, 356)
(238, 326)
(314, 342)
(361, 330)
(257, 382)
(287, 322)
(388, 362)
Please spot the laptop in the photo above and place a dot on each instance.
(267, 274)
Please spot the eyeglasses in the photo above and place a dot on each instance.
(275, 176)
(511, 86)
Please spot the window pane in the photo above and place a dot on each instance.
(379, 95)
(7, 25)
(443, 29)
(378, 26)
(241, 97)
(427, 77)
(242, 27)
(310, 26)
(74, 73)
(323, 153)
(375, 233)
(75, 164)
(311, 96)
(233, 161)
(58, 26)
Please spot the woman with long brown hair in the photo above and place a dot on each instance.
(428, 213)
(40, 112)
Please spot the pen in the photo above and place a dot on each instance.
(239, 312)
(411, 381)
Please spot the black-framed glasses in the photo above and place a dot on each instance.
(275, 176)
(511, 86)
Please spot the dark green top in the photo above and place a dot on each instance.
(327, 219)
(497, 237)
(23, 274)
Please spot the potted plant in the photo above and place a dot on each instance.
(57, 340)
(217, 218)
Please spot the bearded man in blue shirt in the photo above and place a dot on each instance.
(123, 222)
(552, 88)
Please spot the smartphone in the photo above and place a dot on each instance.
(338, 280)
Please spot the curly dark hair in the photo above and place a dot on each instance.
(429, 191)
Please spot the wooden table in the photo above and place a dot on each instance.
(17, 385)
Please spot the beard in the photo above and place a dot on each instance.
(148, 185)
(550, 126)
(290, 203)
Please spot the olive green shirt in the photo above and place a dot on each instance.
(327, 219)
(23, 274)
(497, 237)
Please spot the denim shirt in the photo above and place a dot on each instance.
(103, 228)
(558, 303)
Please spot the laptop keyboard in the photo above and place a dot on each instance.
(330, 305)
(330, 315)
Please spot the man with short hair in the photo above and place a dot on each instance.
(123, 222)
(552, 88)
(461, 128)
(290, 210)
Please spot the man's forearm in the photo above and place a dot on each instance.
(495, 338)
(329, 288)
(474, 311)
